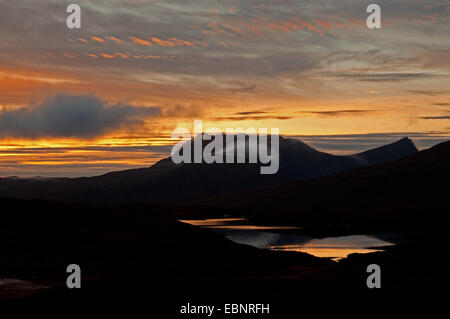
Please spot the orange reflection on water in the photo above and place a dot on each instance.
(253, 227)
(213, 222)
(335, 254)
(227, 223)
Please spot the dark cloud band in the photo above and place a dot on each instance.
(72, 116)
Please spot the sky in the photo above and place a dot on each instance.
(81, 102)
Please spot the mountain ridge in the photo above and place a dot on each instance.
(415, 183)
(166, 182)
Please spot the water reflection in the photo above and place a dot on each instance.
(232, 223)
(336, 247)
(214, 222)
(241, 231)
(11, 283)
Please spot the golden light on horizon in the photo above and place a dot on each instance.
(304, 76)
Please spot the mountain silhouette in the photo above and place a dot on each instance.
(167, 182)
(408, 190)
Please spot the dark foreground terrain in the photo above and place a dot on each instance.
(141, 255)
(138, 255)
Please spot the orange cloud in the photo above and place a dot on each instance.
(163, 43)
(215, 29)
(98, 39)
(122, 55)
(152, 57)
(91, 55)
(234, 28)
(171, 42)
(284, 26)
(140, 41)
(311, 27)
(324, 24)
(117, 40)
(83, 40)
(107, 56)
(181, 42)
(70, 55)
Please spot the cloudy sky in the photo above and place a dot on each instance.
(107, 96)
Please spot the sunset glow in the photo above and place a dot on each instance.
(295, 66)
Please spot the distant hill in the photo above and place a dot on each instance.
(166, 182)
(409, 190)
